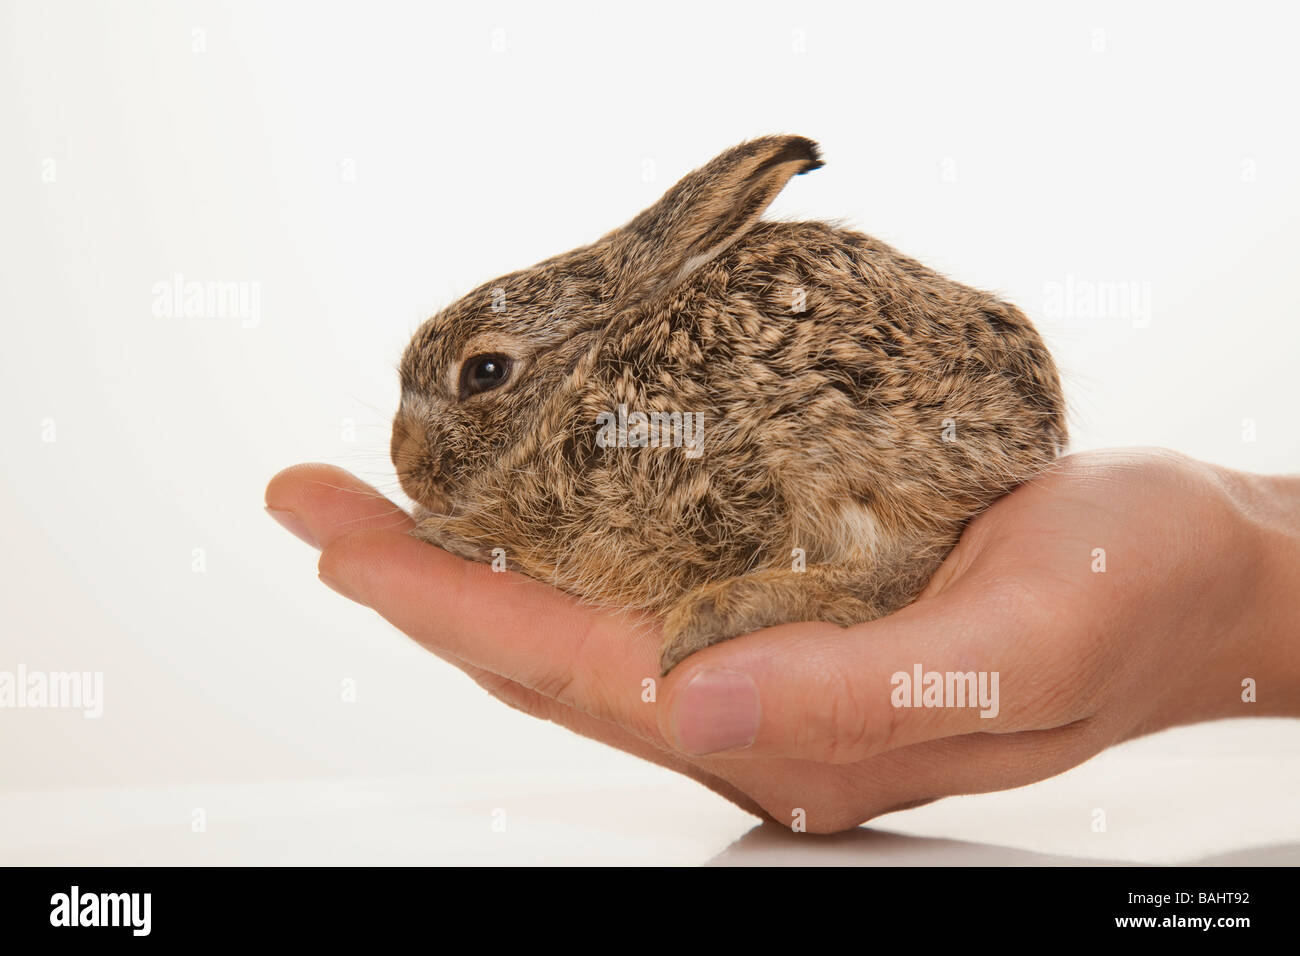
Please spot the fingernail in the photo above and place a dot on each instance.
(717, 710)
(334, 585)
(293, 524)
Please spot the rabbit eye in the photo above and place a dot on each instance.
(482, 373)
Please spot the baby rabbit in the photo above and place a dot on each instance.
(727, 422)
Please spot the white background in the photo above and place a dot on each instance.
(363, 164)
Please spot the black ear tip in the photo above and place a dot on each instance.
(809, 151)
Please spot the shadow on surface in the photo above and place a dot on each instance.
(772, 845)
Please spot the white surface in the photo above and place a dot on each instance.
(362, 164)
(1205, 796)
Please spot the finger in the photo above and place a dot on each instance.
(970, 659)
(320, 502)
(597, 662)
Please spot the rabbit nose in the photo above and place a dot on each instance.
(415, 471)
(403, 448)
(407, 451)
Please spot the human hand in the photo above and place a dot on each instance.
(799, 721)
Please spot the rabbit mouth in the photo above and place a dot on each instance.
(429, 499)
(432, 504)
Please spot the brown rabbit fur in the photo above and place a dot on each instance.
(858, 409)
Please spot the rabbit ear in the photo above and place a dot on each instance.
(708, 211)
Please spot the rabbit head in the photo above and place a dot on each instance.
(475, 375)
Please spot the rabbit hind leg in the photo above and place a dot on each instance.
(725, 609)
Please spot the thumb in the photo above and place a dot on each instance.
(964, 661)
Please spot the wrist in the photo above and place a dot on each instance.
(1266, 520)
